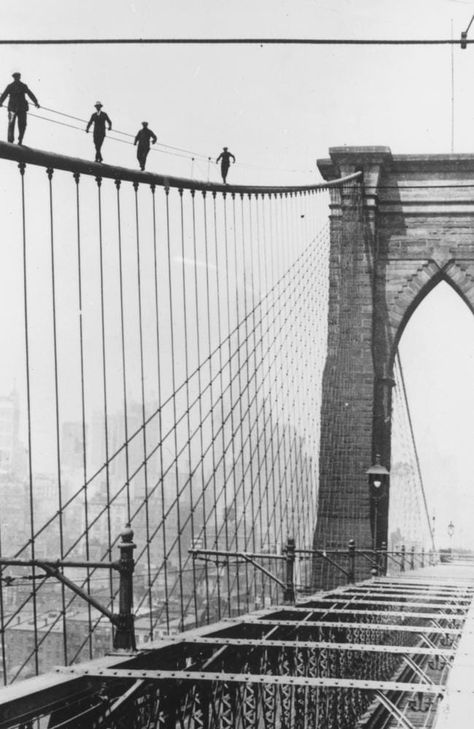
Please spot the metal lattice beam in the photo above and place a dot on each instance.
(245, 678)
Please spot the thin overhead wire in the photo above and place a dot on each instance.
(236, 41)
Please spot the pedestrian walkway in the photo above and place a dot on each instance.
(377, 653)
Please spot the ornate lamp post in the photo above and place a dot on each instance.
(378, 484)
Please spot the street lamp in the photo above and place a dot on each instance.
(450, 534)
(378, 483)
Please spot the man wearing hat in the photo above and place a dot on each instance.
(17, 106)
(99, 119)
(144, 135)
(224, 159)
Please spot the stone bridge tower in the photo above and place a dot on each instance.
(408, 225)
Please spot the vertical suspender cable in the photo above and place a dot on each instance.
(297, 366)
(160, 398)
(275, 365)
(49, 172)
(123, 352)
(104, 380)
(247, 464)
(186, 376)
(211, 387)
(232, 320)
(221, 386)
(83, 404)
(200, 408)
(260, 365)
(296, 484)
(173, 384)
(255, 479)
(267, 394)
(302, 457)
(270, 340)
(28, 411)
(238, 459)
(225, 372)
(143, 409)
(229, 376)
(285, 376)
(276, 320)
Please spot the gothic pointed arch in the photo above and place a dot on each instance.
(406, 226)
(418, 285)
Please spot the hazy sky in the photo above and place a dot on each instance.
(275, 107)
(279, 109)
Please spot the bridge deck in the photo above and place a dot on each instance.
(330, 655)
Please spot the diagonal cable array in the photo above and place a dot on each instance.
(410, 520)
(169, 376)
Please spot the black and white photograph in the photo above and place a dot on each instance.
(236, 364)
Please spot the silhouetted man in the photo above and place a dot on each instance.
(144, 135)
(99, 119)
(224, 158)
(17, 106)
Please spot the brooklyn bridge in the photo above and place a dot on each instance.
(213, 512)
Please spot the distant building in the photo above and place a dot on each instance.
(72, 446)
(12, 456)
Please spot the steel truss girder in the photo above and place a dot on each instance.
(390, 603)
(409, 595)
(398, 594)
(416, 597)
(247, 678)
(402, 589)
(309, 644)
(368, 626)
(456, 584)
(351, 611)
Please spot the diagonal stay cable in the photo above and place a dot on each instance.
(167, 401)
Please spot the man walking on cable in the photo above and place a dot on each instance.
(99, 119)
(224, 158)
(17, 106)
(144, 135)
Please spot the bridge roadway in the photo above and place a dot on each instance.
(394, 651)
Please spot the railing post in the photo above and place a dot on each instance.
(383, 549)
(289, 593)
(422, 556)
(124, 636)
(377, 558)
(402, 558)
(412, 558)
(351, 562)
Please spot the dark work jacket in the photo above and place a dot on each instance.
(143, 138)
(224, 158)
(17, 102)
(99, 121)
